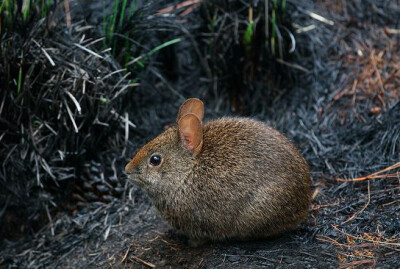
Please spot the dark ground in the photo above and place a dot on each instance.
(343, 114)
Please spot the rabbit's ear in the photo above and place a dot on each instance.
(191, 133)
(192, 105)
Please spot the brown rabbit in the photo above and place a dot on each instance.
(233, 178)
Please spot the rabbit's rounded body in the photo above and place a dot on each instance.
(247, 181)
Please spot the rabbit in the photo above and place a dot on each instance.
(229, 179)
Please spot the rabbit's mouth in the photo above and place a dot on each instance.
(136, 178)
(143, 180)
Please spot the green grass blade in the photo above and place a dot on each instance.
(111, 30)
(273, 35)
(9, 11)
(139, 62)
(122, 15)
(248, 34)
(266, 21)
(105, 27)
(127, 55)
(19, 80)
(45, 7)
(132, 9)
(2, 5)
(27, 7)
(104, 100)
(166, 44)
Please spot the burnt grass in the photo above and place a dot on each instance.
(65, 201)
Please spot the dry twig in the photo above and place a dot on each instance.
(376, 175)
(148, 264)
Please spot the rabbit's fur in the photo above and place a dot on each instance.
(240, 179)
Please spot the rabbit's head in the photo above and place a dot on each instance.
(165, 163)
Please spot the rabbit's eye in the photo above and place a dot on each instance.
(155, 160)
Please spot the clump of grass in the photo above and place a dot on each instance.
(54, 120)
(277, 10)
(17, 13)
(252, 41)
(274, 15)
(7, 12)
(113, 26)
(19, 16)
(114, 22)
(120, 36)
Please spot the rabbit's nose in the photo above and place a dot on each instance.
(129, 168)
